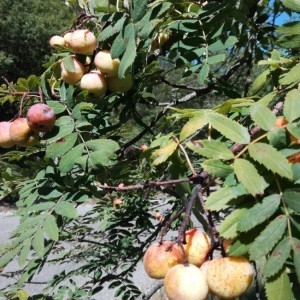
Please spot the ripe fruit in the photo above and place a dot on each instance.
(120, 85)
(106, 64)
(5, 138)
(197, 246)
(82, 41)
(57, 40)
(94, 83)
(21, 134)
(157, 260)
(185, 283)
(67, 38)
(72, 77)
(40, 117)
(280, 122)
(228, 277)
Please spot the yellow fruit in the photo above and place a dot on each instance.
(157, 260)
(185, 283)
(5, 138)
(72, 77)
(228, 277)
(197, 246)
(57, 40)
(21, 134)
(82, 41)
(94, 83)
(120, 85)
(107, 65)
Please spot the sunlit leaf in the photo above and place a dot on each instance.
(291, 109)
(50, 227)
(271, 159)
(247, 174)
(216, 168)
(162, 154)
(220, 199)
(66, 209)
(279, 287)
(262, 116)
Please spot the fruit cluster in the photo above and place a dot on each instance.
(189, 275)
(25, 131)
(102, 76)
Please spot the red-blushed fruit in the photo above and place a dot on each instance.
(107, 65)
(5, 138)
(94, 83)
(57, 40)
(40, 117)
(120, 85)
(82, 41)
(197, 246)
(185, 282)
(21, 134)
(228, 277)
(159, 258)
(72, 77)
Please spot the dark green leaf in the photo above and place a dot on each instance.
(69, 159)
(292, 200)
(203, 74)
(259, 213)
(138, 9)
(296, 256)
(268, 238)
(291, 109)
(277, 258)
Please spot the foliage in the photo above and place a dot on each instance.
(230, 163)
(26, 27)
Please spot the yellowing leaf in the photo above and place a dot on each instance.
(192, 126)
(162, 154)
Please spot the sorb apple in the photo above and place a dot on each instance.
(94, 83)
(228, 277)
(159, 258)
(5, 138)
(57, 40)
(197, 246)
(40, 117)
(21, 134)
(72, 77)
(185, 282)
(82, 41)
(120, 85)
(67, 38)
(107, 65)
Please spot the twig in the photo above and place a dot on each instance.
(151, 290)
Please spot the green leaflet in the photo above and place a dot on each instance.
(130, 50)
(249, 177)
(268, 238)
(278, 257)
(229, 128)
(216, 167)
(193, 125)
(66, 209)
(162, 154)
(68, 160)
(262, 116)
(293, 5)
(38, 242)
(262, 211)
(291, 109)
(296, 256)
(228, 227)
(291, 199)
(220, 199)
(214, 149)
(271, 159)
(50, 227)
(279, 287)
(292, 76)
